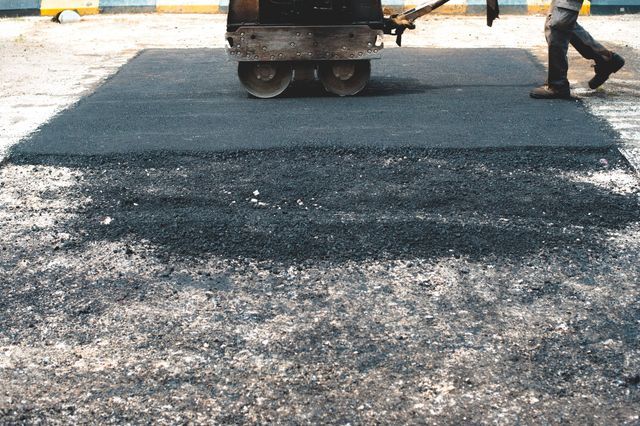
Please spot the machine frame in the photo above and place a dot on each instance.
(278, 41)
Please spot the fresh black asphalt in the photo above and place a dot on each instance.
(191, 100)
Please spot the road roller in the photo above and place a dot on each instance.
(276, 42)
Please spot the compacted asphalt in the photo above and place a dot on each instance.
(191, 100)
(437, 249)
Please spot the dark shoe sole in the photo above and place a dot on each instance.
(555, 96)
(600, 79)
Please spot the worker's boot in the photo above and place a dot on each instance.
(550, 92)
(605, 69)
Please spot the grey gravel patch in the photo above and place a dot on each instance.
(373, 286)
(617, 103)
(633, 156)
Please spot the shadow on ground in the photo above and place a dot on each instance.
(350, 205)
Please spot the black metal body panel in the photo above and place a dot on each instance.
(304, 12)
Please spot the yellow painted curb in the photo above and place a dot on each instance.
(188, 8)
(453, 8)
(83, 7)
(542, 8)
(586, 8)
(537, 9)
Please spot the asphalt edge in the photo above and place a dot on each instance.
(7, 154)
(632, 159)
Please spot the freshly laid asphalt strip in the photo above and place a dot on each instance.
(156, 268)
(190, 100)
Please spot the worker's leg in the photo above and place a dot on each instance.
(559, 29)
(607, 62)
(587, 46)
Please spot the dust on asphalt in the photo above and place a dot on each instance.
(321, 285)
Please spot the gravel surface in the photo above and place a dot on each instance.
(309, 285)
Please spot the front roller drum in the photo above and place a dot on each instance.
(265, 79)
(344, 78)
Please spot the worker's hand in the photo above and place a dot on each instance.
(400, 22)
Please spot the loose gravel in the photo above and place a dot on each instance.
(321, 286)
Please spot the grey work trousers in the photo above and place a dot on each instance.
(562, 29)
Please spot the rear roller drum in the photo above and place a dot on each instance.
(344, 78)
(265, 79)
